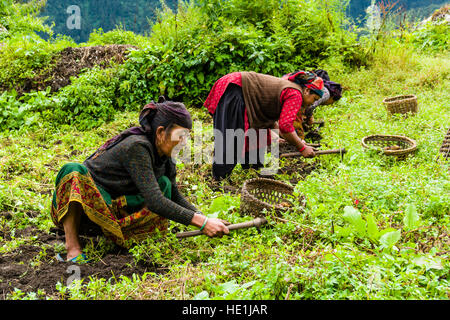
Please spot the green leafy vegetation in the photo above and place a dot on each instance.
(372, 227)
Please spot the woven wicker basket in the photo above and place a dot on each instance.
(262, 193)
(445, 148)
(401, 104)
(390, 145)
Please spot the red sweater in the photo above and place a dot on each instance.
(290, 99)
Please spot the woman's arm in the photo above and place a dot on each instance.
(137, 162)
(212, 227)
(294, 139)
(292, 102)
(138, 165)
(178, 198)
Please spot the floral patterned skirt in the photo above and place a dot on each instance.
(123, 219)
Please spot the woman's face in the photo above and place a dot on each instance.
(167, 141)
(309, 97)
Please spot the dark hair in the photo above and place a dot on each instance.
(165, 114)
(334, 88)
(323, 74)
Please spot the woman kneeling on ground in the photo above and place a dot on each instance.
(128, 186)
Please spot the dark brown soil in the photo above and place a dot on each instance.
(313, 136)
(70, 62)
(33, 266)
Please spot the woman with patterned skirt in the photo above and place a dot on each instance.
(128, 186)
(241, 101)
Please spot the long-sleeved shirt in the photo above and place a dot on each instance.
(290, 99)
(133, 167)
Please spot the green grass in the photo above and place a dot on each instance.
(319, 253)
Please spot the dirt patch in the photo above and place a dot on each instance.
(296, 167)
(33, 266)
(70, 62)
(313, 136)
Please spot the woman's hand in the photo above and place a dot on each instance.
(308, 152)
(216, 227)
(213, 228)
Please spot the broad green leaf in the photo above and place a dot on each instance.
(353, 216)
(204, 295)
(171, 92)
(429, 262)
(343, 232)
(248, 284)
(389, 239)
(229, 287)
(372, 228)
(411, 219)
(221, 204)
(384, 231)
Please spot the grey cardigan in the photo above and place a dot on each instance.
(133, 167)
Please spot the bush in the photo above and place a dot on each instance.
(14, 114)
(21, 18)
(433, 37)
(24, 57)
(187, 52)
(87, 103)
(116, 36)
(193, 48)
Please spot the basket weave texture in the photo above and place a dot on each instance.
(262, 193)
(445, 148)
(401, 104)
(403, 145)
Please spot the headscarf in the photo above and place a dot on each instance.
(153, 115)
(307, 79)
(334, 88)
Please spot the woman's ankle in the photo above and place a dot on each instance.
(73, 252)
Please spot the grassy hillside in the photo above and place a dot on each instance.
(372, 227)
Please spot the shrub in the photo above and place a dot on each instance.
(87, 103)
(24, 57)
(433, 37)
(21, 18)
(116, 36)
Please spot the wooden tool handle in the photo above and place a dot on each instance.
(318, 153)
(314, 145)
(249, 224)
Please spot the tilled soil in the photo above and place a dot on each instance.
(33, 266)
(70, 62)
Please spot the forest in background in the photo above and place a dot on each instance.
(137, 16)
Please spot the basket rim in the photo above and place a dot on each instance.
(399, 98)
(391, 152)
(253, 198)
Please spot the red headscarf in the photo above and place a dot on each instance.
(306, 79)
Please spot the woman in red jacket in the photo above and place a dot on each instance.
(241, 101)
